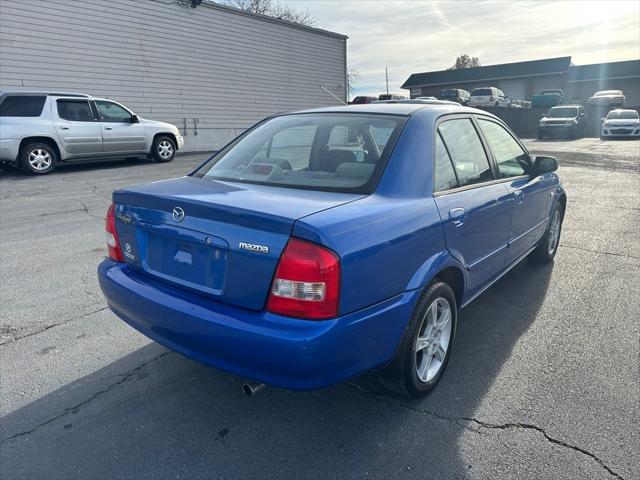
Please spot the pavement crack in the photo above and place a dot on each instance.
(465, 421)
(87, 401)
(85, 209)
(600, 252)
(57, 324)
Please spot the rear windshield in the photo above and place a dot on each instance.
(22, 106)
(323, 151)
(482, 91)
(563, 112)
(622, 115)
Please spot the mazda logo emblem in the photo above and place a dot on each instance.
(178, 214)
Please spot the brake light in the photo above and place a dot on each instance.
(307, 282)
(113, 244)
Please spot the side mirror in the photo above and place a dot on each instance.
(543, 164)
(135, 119)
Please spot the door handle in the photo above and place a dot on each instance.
(64, 128)
(457, 216)
(107, 128)
(518, 196)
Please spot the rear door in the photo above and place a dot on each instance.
(531, 199)
(475, 209)
(77, 127)
(120, 134)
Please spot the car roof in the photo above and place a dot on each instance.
(406, 109)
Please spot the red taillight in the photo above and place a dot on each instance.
(307, 282)
(113, 244)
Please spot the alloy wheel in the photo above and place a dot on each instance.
(165, 149)
(39, 159)
(432, 342)
(554, 232)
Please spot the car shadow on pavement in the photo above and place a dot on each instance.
(156, 414)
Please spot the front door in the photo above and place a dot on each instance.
(121, 135)
(77, 128)
(531, 195)
(475, 210)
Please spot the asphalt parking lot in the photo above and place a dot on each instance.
(543, 382)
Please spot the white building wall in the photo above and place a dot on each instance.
(210, 70)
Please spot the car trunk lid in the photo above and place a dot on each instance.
(217, 238)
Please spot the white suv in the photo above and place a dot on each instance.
(40, 129)
(488, 97)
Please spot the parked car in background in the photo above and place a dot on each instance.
(608, 98)
(354, 263)
(488, 97)
(567, 120)
(455, 95)
(391, 96)
(548, 98)
(40, 129)
(621, 123)
(362, 99)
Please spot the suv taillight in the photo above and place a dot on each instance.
(307, 282)
(113, 244)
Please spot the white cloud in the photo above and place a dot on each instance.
(417, 36)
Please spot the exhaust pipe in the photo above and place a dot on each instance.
(251, 388)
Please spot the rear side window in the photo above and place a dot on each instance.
(444, 176)
(320, 151)
(468, 156)
(511, 158)
(22, 106)
(75, 110)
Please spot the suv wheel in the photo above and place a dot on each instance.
(163, 148)
(426, 345)
(38, 158)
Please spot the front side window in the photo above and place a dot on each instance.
(22, 106)
(463, 144)
(321, 151)
(75, 110)
(512, 160)
(444, 178)
(112, 112)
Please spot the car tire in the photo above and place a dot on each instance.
(424, 351)
(38, 158)
(548, 246)
(163, 149)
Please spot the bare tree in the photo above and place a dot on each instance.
(352, 77)
(465, 61)
(273, 8)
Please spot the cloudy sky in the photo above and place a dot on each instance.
(415, 35)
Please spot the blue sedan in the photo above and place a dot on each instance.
(323, 244)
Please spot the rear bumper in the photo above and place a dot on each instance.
(280, 351)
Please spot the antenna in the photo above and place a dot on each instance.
(334, 96)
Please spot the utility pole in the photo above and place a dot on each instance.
(386, 76)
